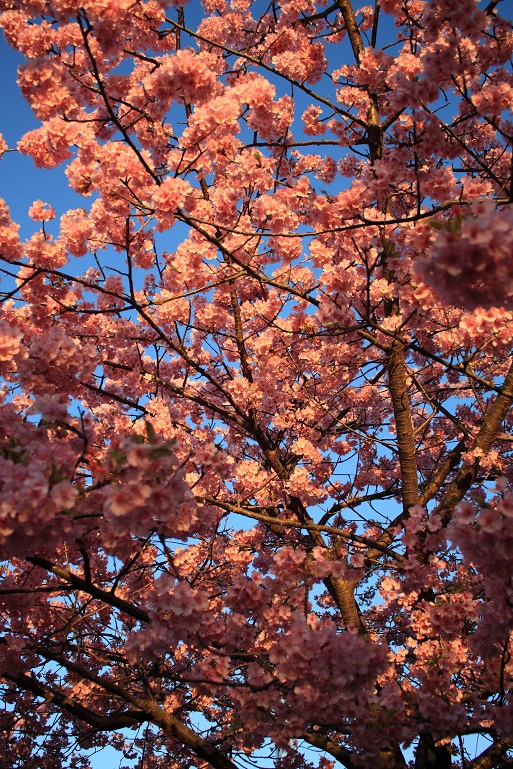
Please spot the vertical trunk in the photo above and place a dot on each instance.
(404, 426)
(431, 756)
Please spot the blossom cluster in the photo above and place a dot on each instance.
(469, 262)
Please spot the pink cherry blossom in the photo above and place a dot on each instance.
(41, 212)
(469, 265)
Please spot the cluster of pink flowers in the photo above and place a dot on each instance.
(10, 245)
(183, 73)
(41, 212)
(168, 198)
(10, 341)
(299, 661)
(470, 261)
(148, 491)
(294, 55)
(485, 536)
(76, 229)
(56, 362)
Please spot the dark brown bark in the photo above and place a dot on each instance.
(492, 757)
(84, 586)
(404, 426)
(431, 756)
(484, 441)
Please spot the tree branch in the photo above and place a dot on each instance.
(95, 592)
(73, 707)
(489, 757)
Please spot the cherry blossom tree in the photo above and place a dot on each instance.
(256, 427)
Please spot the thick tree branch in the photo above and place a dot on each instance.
(153, 712)
(248, 512)
(440, 473)
(95, 592)
(490, 758)
(487, 435)
(346, 9)
(341, 754)
(341, 590)
(397, 382)
(99, 721)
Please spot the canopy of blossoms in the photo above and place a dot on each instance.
(255, 422)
